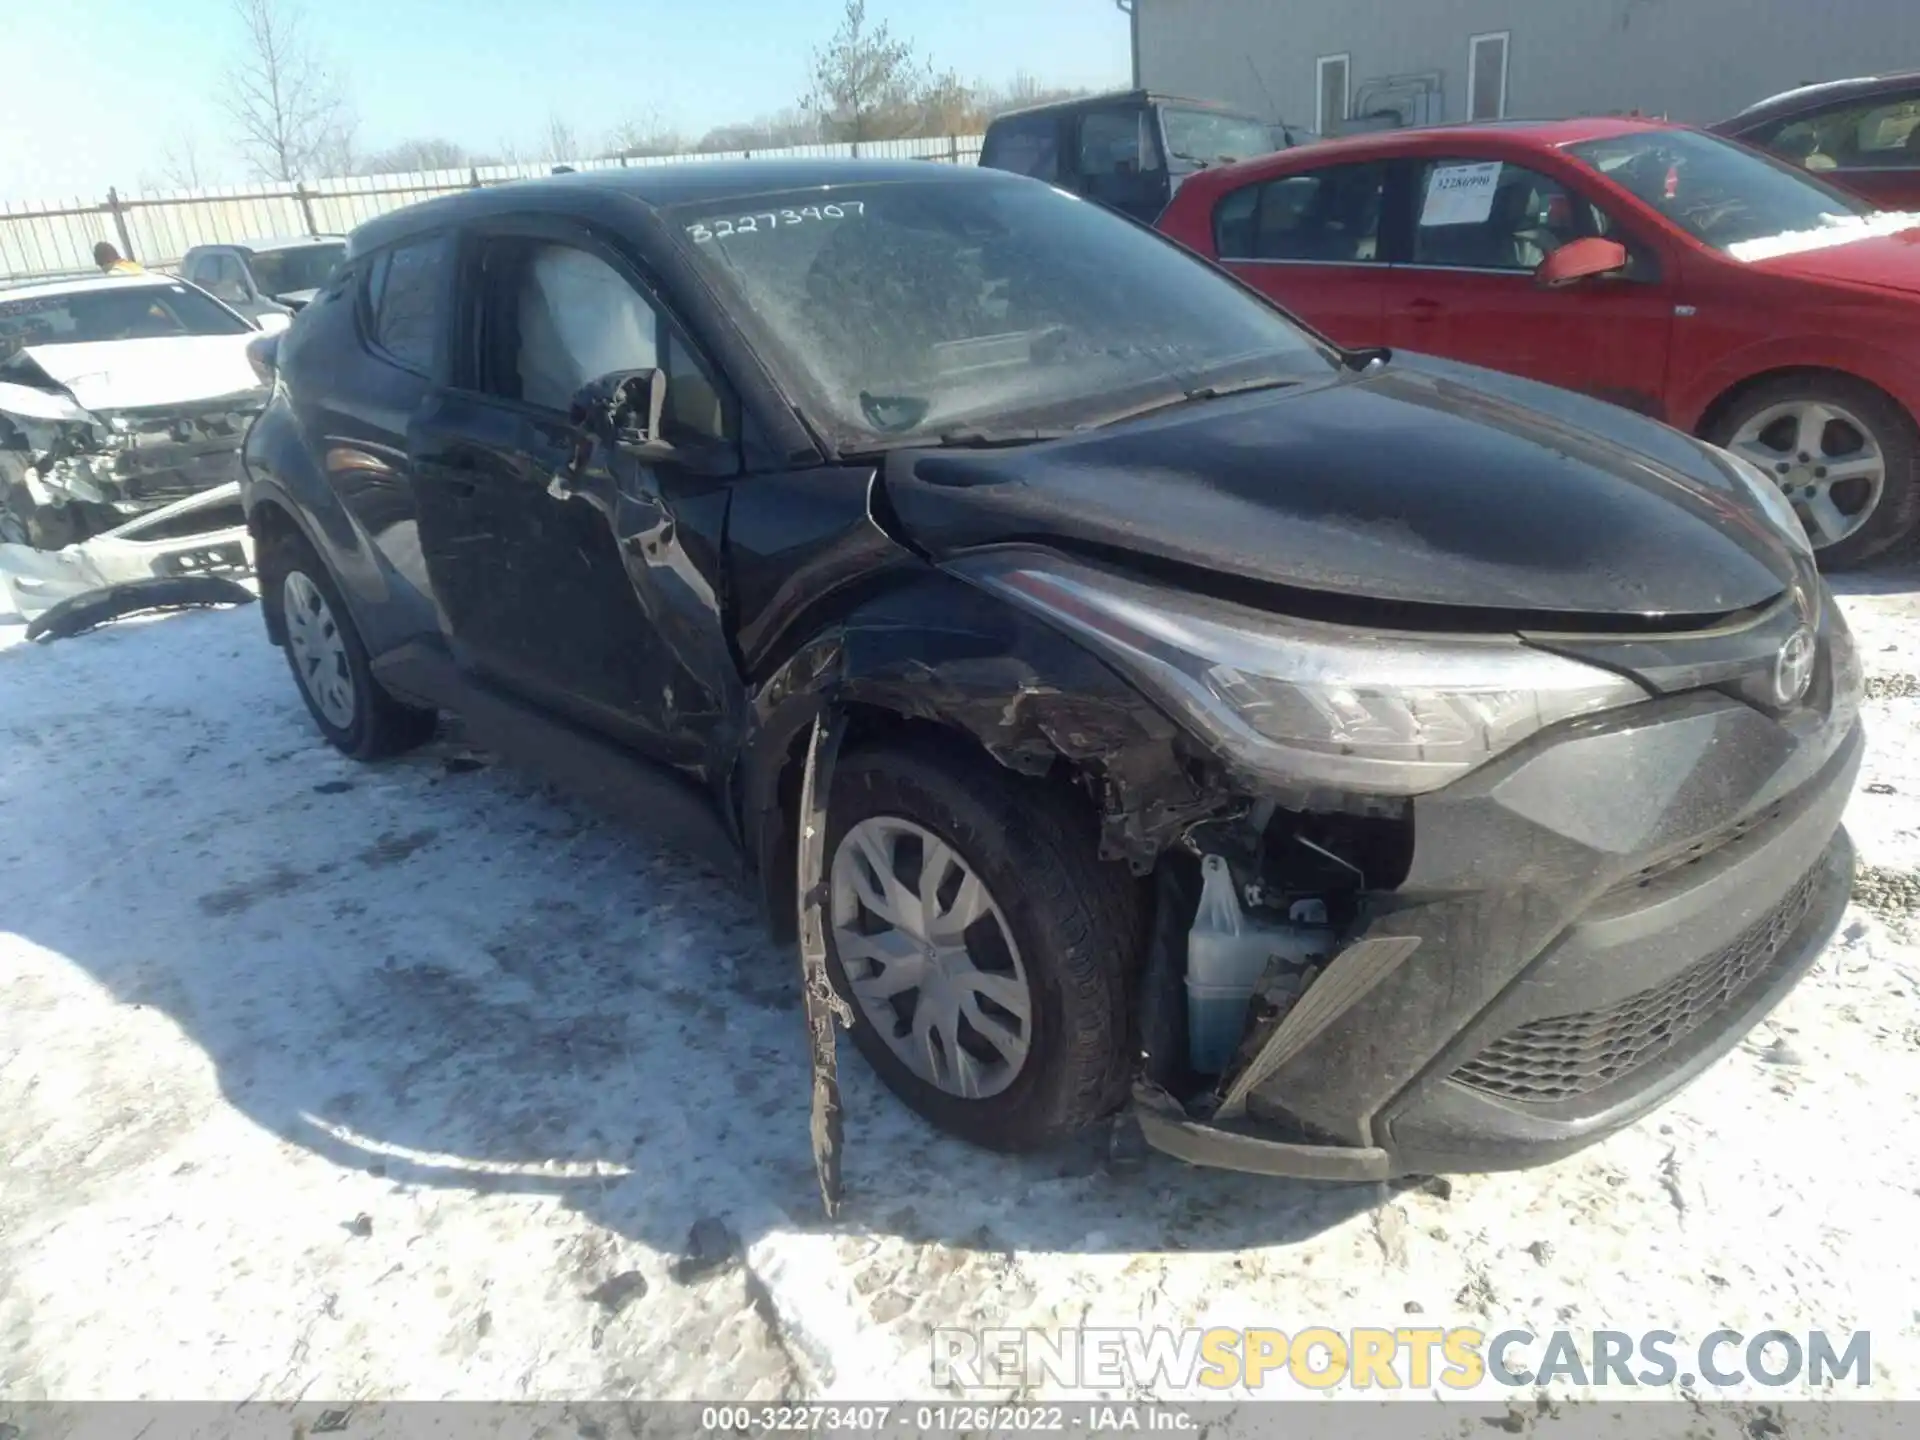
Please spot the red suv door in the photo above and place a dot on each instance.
(1467, 288)
(1311, 240)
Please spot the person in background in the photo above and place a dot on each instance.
(110, 262)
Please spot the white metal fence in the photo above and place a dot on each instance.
(42, 240)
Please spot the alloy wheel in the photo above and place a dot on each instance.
(318, 649)
(929, 958)
(1825, 460)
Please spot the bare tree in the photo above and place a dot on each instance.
(180, 165)
(559, 142)
(411, 155)
(645, 134)
(291, 113)
(866, 84)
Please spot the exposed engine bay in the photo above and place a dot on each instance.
(69, 474)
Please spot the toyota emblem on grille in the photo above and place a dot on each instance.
(1793, 667)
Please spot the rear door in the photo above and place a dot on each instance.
(1025, 145)
(1118, 162)
(1871, 146)
(1312, 240)
(1477, 228)
(372, 339)
(595, 600)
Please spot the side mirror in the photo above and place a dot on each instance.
(263, 354)
(1582, 259)
(622, 411)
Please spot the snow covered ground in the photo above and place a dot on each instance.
(414, 1081)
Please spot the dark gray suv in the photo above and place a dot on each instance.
(1357, 765)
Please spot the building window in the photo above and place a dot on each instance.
(1487, 76)
(1331, 71)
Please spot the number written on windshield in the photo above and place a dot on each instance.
(772, 220)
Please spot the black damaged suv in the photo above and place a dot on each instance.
(1358, 764)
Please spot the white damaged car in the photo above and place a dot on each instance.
(120, 397)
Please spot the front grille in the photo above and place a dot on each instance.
(1565, 1056)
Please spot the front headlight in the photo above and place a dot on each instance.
(1767, 496)
(1370, 711)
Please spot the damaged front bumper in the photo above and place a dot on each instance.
(204, 534)
(130, 462)
(1584, 926)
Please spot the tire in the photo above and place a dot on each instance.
(1761, 426)
(1075, 922)
(357, 716)
(43, 527)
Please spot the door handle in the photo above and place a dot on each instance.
(1424, 309)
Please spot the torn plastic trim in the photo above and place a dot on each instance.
(1216, 1132)
(824, 1008)
(136, 597)
(1168, 1128)
(202, 534)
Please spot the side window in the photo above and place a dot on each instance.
(566, 317)
(219, 274)
(1488, 215)
(1874, 135)
(1331, 216)
(403, 300)
(1118, 142)
(1028, 146)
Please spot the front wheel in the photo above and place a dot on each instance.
(1846, 457)
(985, 949)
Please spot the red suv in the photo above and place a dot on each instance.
(1653, 265)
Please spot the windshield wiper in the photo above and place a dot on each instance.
(1195, 394)
(977, 437)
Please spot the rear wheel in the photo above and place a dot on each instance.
(329, 661)
(1846, 457)
(984, 947)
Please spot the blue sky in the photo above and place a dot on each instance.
(102, 88)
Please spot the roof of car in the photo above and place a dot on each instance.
(1543, 134)
(1806, 97)
(41, 289)
(1118, 97)
(662, 185)
(273, 242)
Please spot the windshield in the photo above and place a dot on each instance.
(123, 312)
(902, 311)
(303, 267)
(1717, 191)
(1207, 137)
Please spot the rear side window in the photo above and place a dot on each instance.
(1029, 146)
(1331, 216)
(1118, 142)
(404, 287)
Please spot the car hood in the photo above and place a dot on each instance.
(1887, 256)
(112, 375)
(1423, 483)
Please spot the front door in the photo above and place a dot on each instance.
(592, 590)
(1479, 230)
(1311, 241)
